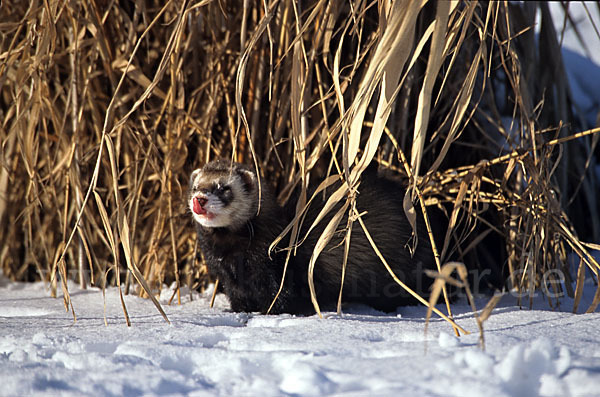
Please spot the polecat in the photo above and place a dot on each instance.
(235, 241)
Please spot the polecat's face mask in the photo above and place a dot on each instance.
(222, 197)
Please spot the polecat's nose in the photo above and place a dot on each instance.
(199, 203)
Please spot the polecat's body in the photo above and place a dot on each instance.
(235, 242)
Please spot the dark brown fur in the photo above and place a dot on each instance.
(237, 255)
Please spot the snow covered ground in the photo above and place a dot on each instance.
(205, 351)
(215, 352)
(580, 12)
(581, 54)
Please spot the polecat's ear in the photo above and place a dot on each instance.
(194, 175)
(248, 179)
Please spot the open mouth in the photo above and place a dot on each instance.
(198, 205)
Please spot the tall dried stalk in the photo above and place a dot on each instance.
(120, 100)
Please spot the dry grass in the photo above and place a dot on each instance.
(107, 106)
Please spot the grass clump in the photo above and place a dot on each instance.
(107, 107)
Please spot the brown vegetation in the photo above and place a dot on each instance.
(107, 106)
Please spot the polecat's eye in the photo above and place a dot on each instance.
(225, 194)
(222, 189)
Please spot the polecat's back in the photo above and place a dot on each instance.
(235, 238)
(366, 279)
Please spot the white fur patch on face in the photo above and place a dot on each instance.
(214, 213)
(241, 208)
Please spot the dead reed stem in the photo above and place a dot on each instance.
(120, 101)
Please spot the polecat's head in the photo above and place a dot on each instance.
(223, 194)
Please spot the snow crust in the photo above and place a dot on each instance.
(581, 57)
(588, 30)
(204, 351)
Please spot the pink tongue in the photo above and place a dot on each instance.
(197, 208)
